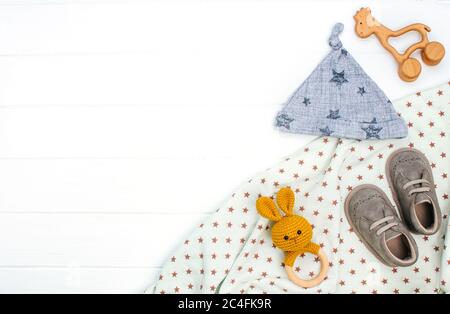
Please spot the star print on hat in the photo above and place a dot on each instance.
(339, 99)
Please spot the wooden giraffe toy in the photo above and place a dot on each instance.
(409, 68)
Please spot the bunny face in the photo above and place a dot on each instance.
(290, 232)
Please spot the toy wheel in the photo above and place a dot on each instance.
(433, 53)
(409, 70)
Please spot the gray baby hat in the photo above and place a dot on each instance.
(339, 99)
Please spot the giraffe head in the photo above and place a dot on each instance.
(365, 23)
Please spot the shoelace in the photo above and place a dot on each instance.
(382, 221)
(418, 190)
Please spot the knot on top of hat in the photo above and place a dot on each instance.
(334, 40)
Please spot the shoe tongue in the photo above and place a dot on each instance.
(421, 198)
(388, 236)
(391, 234)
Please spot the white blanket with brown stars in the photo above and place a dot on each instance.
(232, 251)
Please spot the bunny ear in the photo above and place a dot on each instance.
(286, 200)
(266, 208)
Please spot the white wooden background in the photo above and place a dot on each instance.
(114, 114)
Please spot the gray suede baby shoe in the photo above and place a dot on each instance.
(412, 184)
(376, 223)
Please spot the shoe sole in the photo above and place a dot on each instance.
(391, 182)
(355, 230)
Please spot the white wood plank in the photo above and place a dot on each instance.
(75, 280)
(124, 26)
(184, 80)
(239, 63)
(95, 240)
(172, 78)
(146, 24)
(124, 185)
(143, 131)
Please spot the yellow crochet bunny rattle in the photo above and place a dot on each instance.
(292, 233)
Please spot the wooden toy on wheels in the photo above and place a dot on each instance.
(409, 68)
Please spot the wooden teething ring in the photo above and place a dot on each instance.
(324, 265)
(409, 68)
